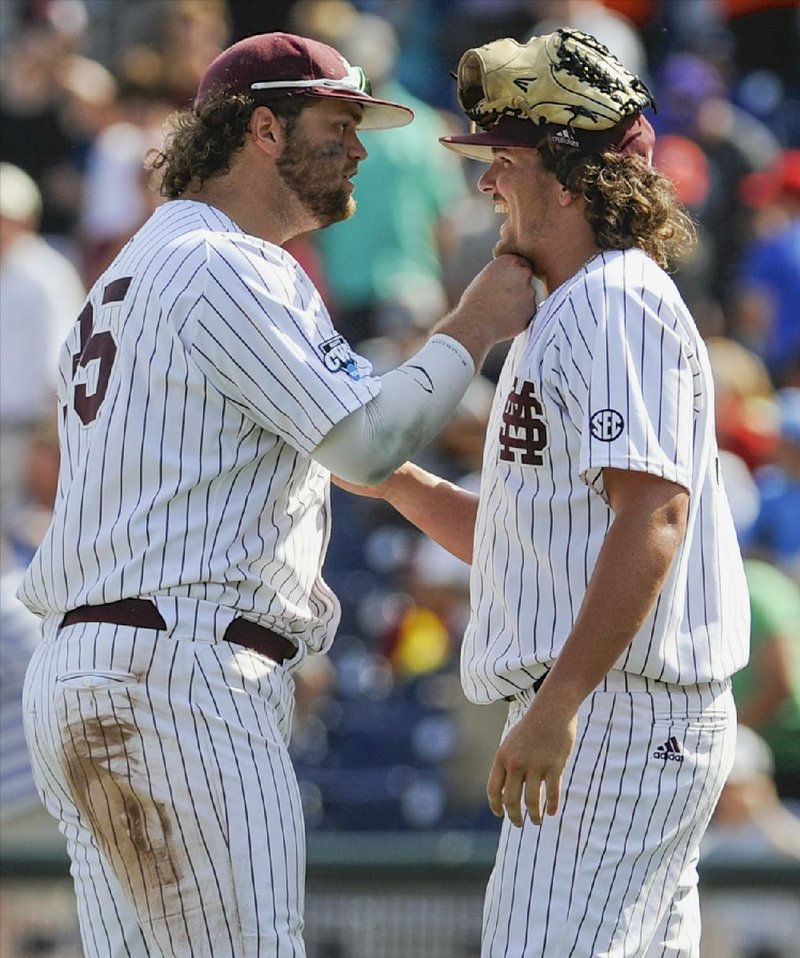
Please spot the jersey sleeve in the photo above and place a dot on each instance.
(630, 382)
(263, 337)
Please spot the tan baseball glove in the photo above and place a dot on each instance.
(566, 77)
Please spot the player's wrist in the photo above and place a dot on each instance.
(469, 332)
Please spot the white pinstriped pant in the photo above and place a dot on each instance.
(165, 762)
(613, 874)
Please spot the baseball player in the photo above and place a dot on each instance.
(609, 605)
(204, 395)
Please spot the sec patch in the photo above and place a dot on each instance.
(606, 425)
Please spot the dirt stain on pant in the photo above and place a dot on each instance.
(110, 786)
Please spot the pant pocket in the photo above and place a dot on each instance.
(94, 679)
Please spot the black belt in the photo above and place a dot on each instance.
(536, 686)
(143, 614)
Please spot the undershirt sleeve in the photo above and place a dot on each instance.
(415, 401)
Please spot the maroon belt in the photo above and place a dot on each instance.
(143, 614)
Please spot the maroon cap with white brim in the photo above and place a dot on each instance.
(276, 65)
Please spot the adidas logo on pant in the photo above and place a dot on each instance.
(670, 751)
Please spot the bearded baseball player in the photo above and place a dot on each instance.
(204, 396)
(609, 605)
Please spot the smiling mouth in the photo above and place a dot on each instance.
(500, 206)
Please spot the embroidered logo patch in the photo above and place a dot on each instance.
(338, 357)
(606, 425)
(524, 431)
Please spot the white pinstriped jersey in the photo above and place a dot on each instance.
(203, 372)
(612, 372)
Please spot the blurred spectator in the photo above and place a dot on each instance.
(34, 136)
(751, 821)
(610, 26)
(425, 640)
(775, 535)
(766, 36)
(117, 195)
(751, 827)
(746, 411)
(767, 690)
(458, 449)
(179, 38)
(89, 104)
(247, 17)
(686, 164)
(694, 102)
(24, 822)
(742, 491)
(691, 26)
(382, 267)
(431, 51)
(21, 811)
(25, 522)
(41, 295)
(767, 302)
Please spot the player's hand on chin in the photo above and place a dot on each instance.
(533, 754)
(502, 292)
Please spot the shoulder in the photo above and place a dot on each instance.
(625, 279)
(629, 270)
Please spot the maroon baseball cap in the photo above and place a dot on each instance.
(634, 136)
(272, 65)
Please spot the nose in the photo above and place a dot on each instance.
(486, 180)
(356, 149)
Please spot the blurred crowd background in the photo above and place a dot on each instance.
(383, 736)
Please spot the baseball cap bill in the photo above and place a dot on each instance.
(634, 136)
(565, 86)
(272, 65)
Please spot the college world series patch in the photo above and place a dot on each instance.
(338, 357)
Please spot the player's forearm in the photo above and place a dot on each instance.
(443, 511)
(631, 568)
(415, 402)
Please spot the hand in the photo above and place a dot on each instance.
(497, 305)
(533, 754)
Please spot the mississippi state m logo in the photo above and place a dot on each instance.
(523, 436)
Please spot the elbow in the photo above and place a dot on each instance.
(675, 517)
(368, 470)
(671, 528)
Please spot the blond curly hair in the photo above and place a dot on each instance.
(628, 203)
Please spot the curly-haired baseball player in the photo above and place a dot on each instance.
(609, 605)
(204, 395)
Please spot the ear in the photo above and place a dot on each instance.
(566, 198)
(266, 131)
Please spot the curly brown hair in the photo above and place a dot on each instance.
(628, 203)
(203, 139)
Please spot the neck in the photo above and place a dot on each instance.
(269, 211)
(566, 266)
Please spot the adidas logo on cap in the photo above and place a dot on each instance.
(565, 138)
(670, 751)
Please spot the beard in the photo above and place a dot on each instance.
(314, 175)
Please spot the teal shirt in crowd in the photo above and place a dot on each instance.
(775, 612)
(407, 182)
